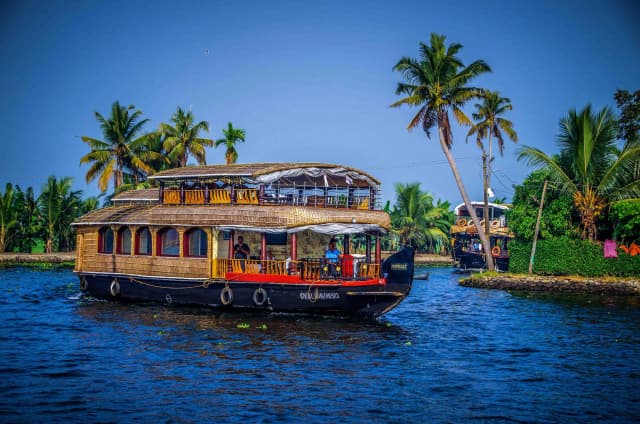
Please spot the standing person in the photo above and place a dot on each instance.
(332, 256)
(241, 251)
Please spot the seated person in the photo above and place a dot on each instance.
(332, 257)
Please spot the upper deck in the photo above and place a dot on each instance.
(318, 185)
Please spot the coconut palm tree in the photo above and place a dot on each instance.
(437, 83)
(8, 220)
(121, 150)
(28, 216)
(182, 139)
(231, 137)
(59, 206)
(489, 123)
(589, 168)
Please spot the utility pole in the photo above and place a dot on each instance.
(535, 234)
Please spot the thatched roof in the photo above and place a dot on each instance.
(249, 170)
(143, 195)
(282, 218)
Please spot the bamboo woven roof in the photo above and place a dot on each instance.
(272, 217)
(142, 195)
(251, 170)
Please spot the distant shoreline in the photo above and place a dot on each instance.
(613, 286)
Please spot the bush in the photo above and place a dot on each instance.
(564, 256)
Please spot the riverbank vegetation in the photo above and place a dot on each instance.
(593, 195)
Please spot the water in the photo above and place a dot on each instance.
(447, 354)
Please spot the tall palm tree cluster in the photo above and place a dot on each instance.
(26, 219)
(126, 155)
(418, 222)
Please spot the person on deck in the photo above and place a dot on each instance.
(241, 251)
(332, 256)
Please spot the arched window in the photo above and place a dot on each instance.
(124, 241)
(105, 240)
(168, 242)
(143, 241)
(195, 243)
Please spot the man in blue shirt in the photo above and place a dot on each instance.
(332, 256)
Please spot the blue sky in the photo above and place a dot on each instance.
(308, 81)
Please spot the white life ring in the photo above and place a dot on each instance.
(114, 289)
(84, 285)
(259, 296)
(226, 296)
(495, 223)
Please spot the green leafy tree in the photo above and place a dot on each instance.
(417, 221)
(588, 168)
(557, 217)
(28, 216)
(183, 138)
(625, 218)
(8, 221)
(59, 206)
(437, 83)
(231, 137)
(629, 121)
(121, 151)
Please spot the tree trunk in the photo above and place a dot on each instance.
(465, 198)
(3, 244)
(485, 195)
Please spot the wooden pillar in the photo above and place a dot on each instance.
(161, 192)
(378, 249)
(368, 248)
(181, 242)
(347, 242)
(213, 252)
(154, 241)
(206, 194)
(261, 194)
(231, 238)
(182, 193)
(263, 247)
(133, 230)
(294, 246)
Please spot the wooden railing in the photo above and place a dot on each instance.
(247, 196)
(194, 197)
(307, 269)
(219, 196)
(171, 197)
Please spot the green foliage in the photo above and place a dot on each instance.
(625, 217)
(629, 121)
(8, 220)
(556, 221)
(565, 256)
(416, 221)
(231, 137)
(29, 221)
(183, 138)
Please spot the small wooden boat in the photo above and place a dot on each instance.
(467, 250)
(175, 243)
(421, 276)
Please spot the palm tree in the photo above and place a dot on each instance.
(489, 124)
(183, 139)
(231, 137)
(437, 82)
(28, 216)
(589, 168)
(416, 221)
(59, 206)
(120, 151)
(8, 219)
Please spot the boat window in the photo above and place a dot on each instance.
(196, 243)
(124, 241)
(168, 242)
(105, 240)
(143, 241)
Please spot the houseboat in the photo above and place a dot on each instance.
(466, 246)
(246, 236)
